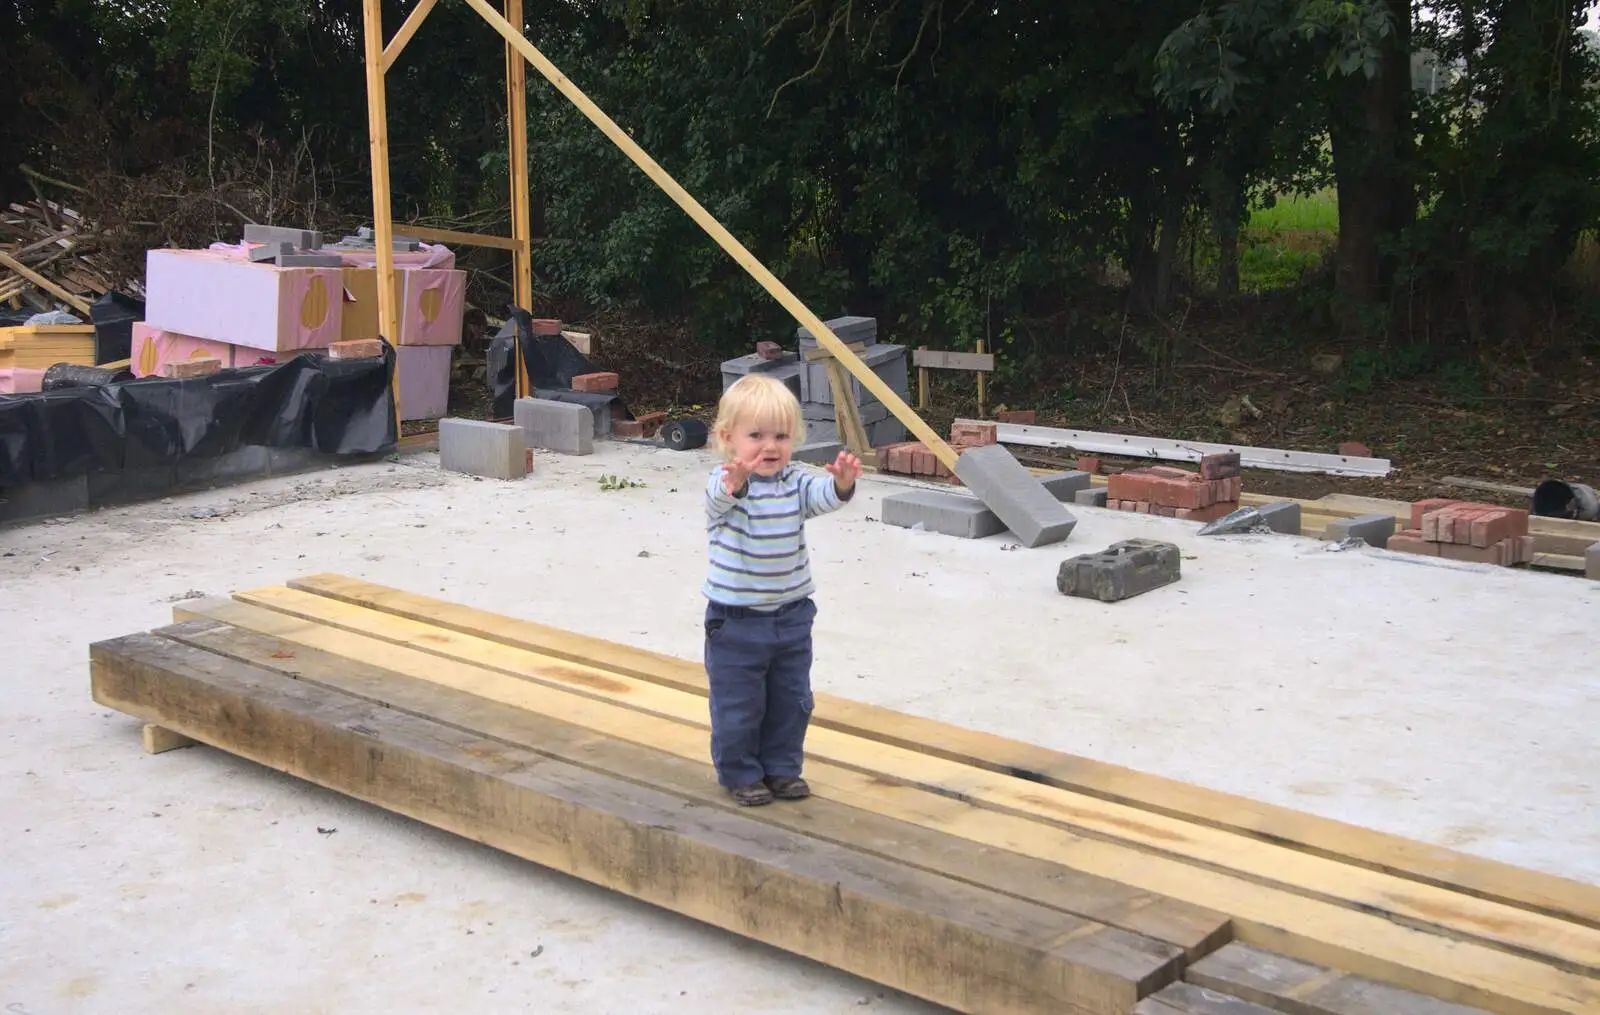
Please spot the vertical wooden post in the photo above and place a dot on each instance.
(521, 221)
(922, 384)
(382, 222)
(983, 382)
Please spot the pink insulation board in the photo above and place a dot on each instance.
(424, 376)
(154, 349)
(208, 294)
(20, 381)
(432, 301)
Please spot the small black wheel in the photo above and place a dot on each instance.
(684, 434)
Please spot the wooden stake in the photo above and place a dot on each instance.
(408, 28)
(78, 303)
(825, 336)
(382, 223)
(983, 389)
(521, 230)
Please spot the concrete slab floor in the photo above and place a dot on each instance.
(1448, 702)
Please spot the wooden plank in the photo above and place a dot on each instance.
(1188, 999)
(1425, 863)
(818, 354)
(404, 646)
(78, 303)
(937, 359)
(1194, 930)
(1313, 929)
(382, 205)
(931, 937)
(432, 235)
(1302, 988)
(1189, 451)
(847, 416)
(802, 314)
(408, 28)
(159, 740)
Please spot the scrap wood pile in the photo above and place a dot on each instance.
(980, 873)
(48, 241)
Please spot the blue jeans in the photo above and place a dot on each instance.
(759, 665)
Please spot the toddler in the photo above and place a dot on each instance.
(759, 610)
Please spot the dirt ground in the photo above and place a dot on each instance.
(1451, 703)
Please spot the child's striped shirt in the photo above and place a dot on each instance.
(758, 541)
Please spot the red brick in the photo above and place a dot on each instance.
(651, 421)
(1021, 417)
(546, 326)
(1411, 541)
(1495, 554)
(1235, 488)
(529, 459)
(1207, 514)
(1491, 527)
(769, 350)
(1168, 472)
(1524, 548)
(366, 348)
(974, 434)
(1165, 512)
(627, 428)
(1422, 507)
(1127, 486)
(1089, 465)
(185, 369)
(1222, 465)
(597, 382)
(922, 461)
(1113, 505)
(1143, 507)
(1355, 449)
(1191, 493)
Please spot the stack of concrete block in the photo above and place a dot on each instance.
(1202, 496)
(1468, 531)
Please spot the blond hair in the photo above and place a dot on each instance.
(758, 399)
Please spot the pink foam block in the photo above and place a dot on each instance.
(20, 380)
(431, 304)
(153, 349)
(424, 380)
(213, 295)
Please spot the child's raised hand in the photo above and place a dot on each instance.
(735, 473)
(846, 469)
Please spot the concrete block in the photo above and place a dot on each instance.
(884, 431)
(1013, 493)
(822, 412)
(1094, 496)
(1065, 486)
(567, 427)
(599, 403)
(953, 514)
(270, 251)
(849, 329)
(310, 261)
(818, 452)
(481, 448)
(1375, 529)
(1591, 561)
(1282, 516)
(787, 371)
(1121, 571)
(46, 499)
(889, 362)
(302, 239)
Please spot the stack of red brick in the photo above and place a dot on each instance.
(1176, 493)
(913, 458)
(1466, 530)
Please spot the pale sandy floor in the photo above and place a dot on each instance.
(1448, 703)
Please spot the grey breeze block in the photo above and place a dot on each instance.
(786, 370)
(1094, 496)
(566, 427)
(481, 448)
(1282, 516)
(1121, 571)
(1014, 494)
(1065, 486)
(952, 514)
(1374, 529)
(1591, 562)
(303, 239)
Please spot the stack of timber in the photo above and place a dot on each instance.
(49, 258)
(976, 872)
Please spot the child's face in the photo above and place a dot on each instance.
(763, 446)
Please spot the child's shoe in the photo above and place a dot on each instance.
(753, 795)
(786, 788)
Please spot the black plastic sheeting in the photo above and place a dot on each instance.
(335, 407)
(552, 360)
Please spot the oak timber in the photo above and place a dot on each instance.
(1301, 988)
(932, 937)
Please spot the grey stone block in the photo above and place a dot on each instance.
(1282, 516)
(818, 452)
(270, 251)
(884, 431)
(1065, 486)
(1591, 561)
(1013, 493)
(46, 499)
(567, 427)
(1121, 571)
(849, 329)
(480, 448)
(953, 514)
(310, 261)
(1094, 496)
(787, 371)
(889, 362)
(1374, 529)
(600, 403)
(303, 239)
(822, 412)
